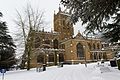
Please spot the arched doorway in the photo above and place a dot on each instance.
(80, 51)
(51, 57)
(40, 58)
(61, 57)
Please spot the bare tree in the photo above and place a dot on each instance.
(31, 20)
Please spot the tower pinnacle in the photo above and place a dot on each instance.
(59, 8)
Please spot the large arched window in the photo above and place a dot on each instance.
(80, 50)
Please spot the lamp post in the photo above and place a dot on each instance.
(85, 56)
(102, 53)
(47, 59)
(55, 56)
(72, 62)
(58, 59)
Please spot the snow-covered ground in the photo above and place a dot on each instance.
(93, 71)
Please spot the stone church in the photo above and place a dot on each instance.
(59, 45)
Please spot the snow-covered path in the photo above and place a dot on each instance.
(68, 72)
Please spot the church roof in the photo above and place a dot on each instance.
(79, 36)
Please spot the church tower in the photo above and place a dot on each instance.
(63, 25)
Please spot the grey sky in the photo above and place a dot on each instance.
(8, 8)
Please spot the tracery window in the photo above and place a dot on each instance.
(80, 50)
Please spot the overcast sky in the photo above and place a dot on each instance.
(8, 8)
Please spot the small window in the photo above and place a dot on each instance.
(55, 44)
(98, 47)
(94, 46)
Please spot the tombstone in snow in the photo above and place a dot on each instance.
(113, 62)
(44, 67)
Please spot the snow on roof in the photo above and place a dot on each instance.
(67, 14)
(79, 36)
